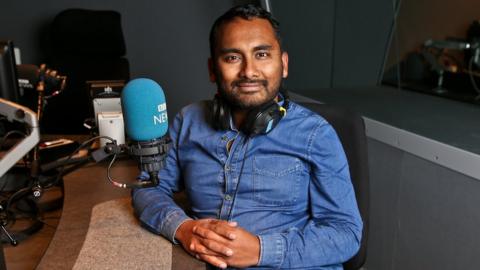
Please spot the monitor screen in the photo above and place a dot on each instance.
(8, 72)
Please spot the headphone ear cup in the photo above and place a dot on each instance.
(221, 114)
(264, 119)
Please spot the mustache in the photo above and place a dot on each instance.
(236, 83)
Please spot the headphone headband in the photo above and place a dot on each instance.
(258, 121)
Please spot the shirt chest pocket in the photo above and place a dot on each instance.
(276, 180)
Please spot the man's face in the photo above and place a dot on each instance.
(248, 64)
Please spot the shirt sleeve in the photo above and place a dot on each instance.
(155, 206)
(333, 233)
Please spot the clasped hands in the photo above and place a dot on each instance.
(219, 243)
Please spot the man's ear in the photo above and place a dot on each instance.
(285, 64)
(211, 71)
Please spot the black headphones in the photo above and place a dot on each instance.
(259, 121)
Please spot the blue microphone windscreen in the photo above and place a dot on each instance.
(144, 110)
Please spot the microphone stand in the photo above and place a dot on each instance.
(35, 169)
(15, 111)
(37, 189)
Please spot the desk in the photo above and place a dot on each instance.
(442, 131)
(85, 188)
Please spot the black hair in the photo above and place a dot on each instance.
(247, 12)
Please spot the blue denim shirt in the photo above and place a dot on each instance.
(290, 187)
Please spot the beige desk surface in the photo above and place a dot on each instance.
(85, 188)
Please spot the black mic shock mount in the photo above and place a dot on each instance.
(150, 156)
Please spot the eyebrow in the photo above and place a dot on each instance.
(233, 50)
(229, 50)
(262, 47)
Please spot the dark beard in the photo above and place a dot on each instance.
(235, 103)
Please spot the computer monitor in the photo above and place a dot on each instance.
(8, 72)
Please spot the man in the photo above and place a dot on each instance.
(272, 194)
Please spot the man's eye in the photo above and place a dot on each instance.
(231, 58)
(262, 55)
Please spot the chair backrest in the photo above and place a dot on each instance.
(350, 128)
(85, 45)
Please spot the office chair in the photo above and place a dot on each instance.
(350, 128)
(85, 45)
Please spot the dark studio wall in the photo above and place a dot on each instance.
(334, 43)
(331, 43)
(307, 29)
(166, 41)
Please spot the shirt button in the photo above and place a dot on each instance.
(228, 197)
(227, 168)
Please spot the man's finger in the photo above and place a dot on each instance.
(215, 261)
(207, 233)
(219, 227)
(216, 247)
(199, 248)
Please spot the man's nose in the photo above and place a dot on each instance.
(249, 69)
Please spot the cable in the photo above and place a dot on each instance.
(85, 143)
(4, 184)
(10, 217)
(239, 177)
(21, 191)
(140, 184)
(2, 142)
(62, 162)
(8, 134)
(113, 182)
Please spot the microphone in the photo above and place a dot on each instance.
(146, 124)
(29, 77)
